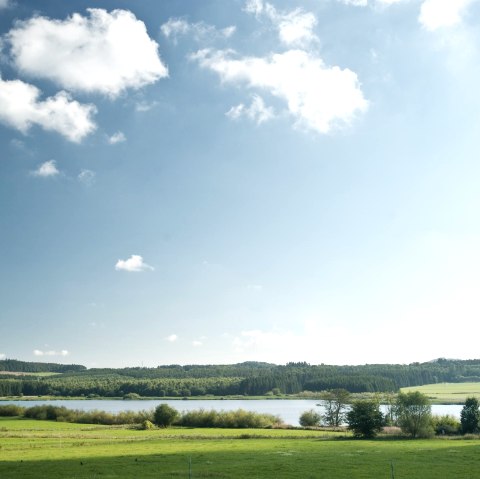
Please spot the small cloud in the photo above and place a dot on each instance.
(145, 106)
(176, 27)
(255, 287)
(21, 108)
(197, 343)
(4, 4)
(117, 137)
(133, 264)
(355, 3)
(87, 177)
(172, 338)
(435, 14)
(257, 111)
(2, 356)
(46, 169)
(38, 352)
(295, 27)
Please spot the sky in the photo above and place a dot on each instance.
(211, 182)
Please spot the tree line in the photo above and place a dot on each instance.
(250, 378)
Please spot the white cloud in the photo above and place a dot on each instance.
(87, 177)
(257, 111)
(355, 3)
(364, 3)
(47, 169)
(38, 352)
(4, 4)
(102, 52)
(145, 106)
(255, 287)
(197, 343)
(20, 108)
(295, 28)
(176, 27)
(319, 97)
(436, 14)
(133, 264)
(2, 356)
(172, 338)
(117, 137)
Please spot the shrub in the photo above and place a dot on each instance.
(147, 425)
(227, 419)
(131, 396)
(11, 410)
(310, 419)
(365, 419)
(164, 415)
(446, 424)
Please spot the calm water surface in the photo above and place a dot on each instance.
(288, 409)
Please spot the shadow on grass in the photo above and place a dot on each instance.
(267, 459)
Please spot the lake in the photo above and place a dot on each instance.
(288, 409)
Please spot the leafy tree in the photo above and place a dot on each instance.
(470, 416)
(414, 414)
(335, 403)
(164, 415)
(365, 419)
(310, 418)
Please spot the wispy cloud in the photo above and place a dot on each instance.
(133, 264)
(47, 169)
(100, 52)
(118, 137)
(21, 108)
(38, 352)
(2, 356)
(176, 27)
(86, 177)
(4, 4)
(257, 111)
(197, 343)
(172, 338)
(295, 27)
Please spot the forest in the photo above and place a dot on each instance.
(248, 378)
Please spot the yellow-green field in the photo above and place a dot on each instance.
(448, 393)
(44, 449)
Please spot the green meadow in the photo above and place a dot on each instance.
(44, 449)
(447, 393)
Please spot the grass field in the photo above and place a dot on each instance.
(448, 393)
(43, 449)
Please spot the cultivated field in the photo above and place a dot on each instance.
(44, 449)
(448, 393)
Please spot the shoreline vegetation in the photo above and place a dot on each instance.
(438, 394)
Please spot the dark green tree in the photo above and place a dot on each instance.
(365, 419)
(414, 414)
(470, 416)
(310, 418)
(164, 415)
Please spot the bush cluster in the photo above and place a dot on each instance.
(62, 414)
(227, 419)
(162, 416)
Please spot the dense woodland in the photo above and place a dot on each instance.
(249, 378)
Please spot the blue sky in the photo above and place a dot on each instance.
(220, 181)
